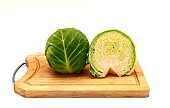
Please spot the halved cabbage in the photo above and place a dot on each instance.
(112, 52)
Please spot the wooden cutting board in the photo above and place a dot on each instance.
(41, 81)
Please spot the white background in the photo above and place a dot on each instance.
(25, 26)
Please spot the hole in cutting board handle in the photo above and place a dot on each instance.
(16, 70)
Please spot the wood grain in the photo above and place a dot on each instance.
(41, 81)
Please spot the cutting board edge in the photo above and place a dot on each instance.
(27, 90)
(80, 94)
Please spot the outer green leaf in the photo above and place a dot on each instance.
(66, 50)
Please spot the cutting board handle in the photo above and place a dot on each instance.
(16, 70)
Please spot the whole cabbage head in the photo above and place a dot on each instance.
(66, 50)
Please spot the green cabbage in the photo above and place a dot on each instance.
(66, 50)
(112, 52)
